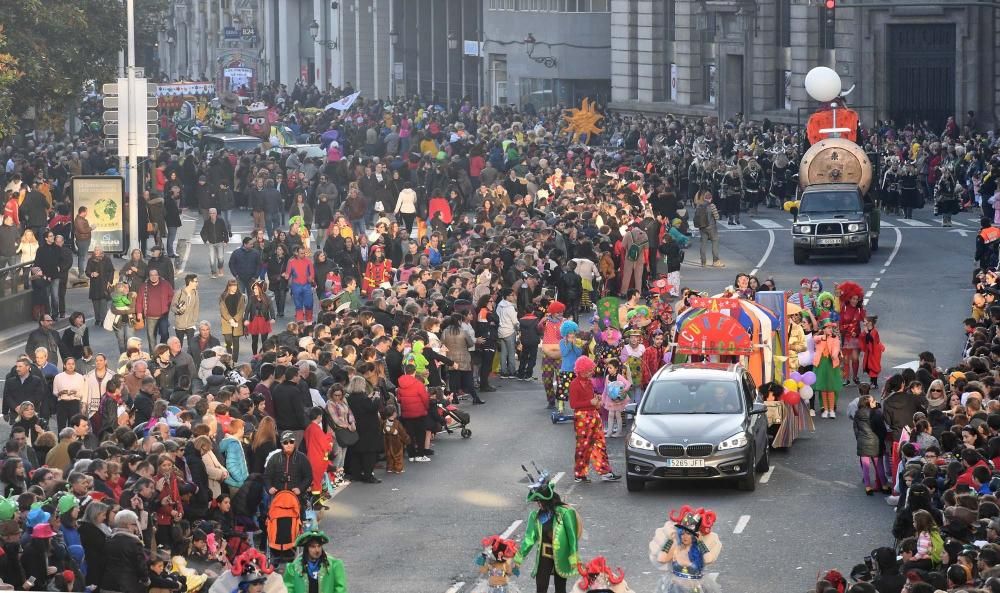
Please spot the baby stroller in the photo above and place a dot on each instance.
(284, 524)
(454, 419)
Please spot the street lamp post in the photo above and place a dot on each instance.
(393, 40)
(452, 45)
(314, 33)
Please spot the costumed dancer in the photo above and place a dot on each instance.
(315, 571)
(872, 347)
(301, 278)
(246, 574)
(555, 528)
(803, 298)
(826, 360)
(796, 336)
(551, 354)
(742, 287)
(852, 317)
(638, 318)
(607, 346)
(827, 308)
(597, 577)
(591, 447)
(378, 270)
(615, 396)
(654, 357)
(631, 355)
(682, 548)
(496, 563)
(570, 348)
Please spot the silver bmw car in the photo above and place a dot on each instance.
(697, 421)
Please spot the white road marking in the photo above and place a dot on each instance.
(741, 524)
(733, 227)
(767, 223)
(868, 294)
(513, 527)
(234, 239)
(886, 223)
(956, 223)
(184, 258)
(913, 222)
(555, 479)
(767, 253)
(895, 249)
(456, 587)
(842, 483)
(764, 479)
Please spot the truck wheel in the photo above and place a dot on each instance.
(634, 484)
(800, 256)
(875, 243)
(864, 254)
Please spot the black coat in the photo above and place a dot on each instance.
(867, 441)
(33, 389)
(68, 349)
(284, 473)
(100, 287)
(366, 419)
(199, 477)
(289, 413)
(124, 551)
(94, 542)
(48, 258)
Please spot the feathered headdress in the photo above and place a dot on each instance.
(250, 561)
(848, 290)
(695, 521)
(597, 570)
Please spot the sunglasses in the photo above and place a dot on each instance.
(937, 390)
(287, 442)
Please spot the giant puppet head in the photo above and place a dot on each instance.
(257, 122)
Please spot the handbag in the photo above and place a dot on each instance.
(109, 321)
(345, 437)
(150, 227)
(138, 324)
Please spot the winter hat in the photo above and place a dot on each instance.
(556, 308)
(568, 327)
(583, 365)
(66, 504)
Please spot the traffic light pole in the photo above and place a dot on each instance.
(132, 131)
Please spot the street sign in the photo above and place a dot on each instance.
(110, 102)
(111, 129)
(110, 116)
(109, 88)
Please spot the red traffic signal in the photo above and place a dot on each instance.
(831, 4)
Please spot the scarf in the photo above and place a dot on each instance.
(78, 334)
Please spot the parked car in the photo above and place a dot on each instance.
(229, 141)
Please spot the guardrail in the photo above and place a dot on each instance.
(15, 279)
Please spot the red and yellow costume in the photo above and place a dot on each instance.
(591, 447)
(379, 270)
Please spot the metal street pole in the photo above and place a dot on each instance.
(133, 170)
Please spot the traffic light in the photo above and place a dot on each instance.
(830, 5)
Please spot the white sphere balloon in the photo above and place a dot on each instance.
(823, 84)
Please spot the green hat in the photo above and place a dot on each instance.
(67, 503)
(311, 535)
(8, 508)
(541, 486)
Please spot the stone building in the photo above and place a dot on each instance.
(908, 61)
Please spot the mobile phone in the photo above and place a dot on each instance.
(31, 581)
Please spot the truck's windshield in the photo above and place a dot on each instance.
(830, 201)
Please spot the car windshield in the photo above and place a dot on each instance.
(692, 397)
(830, 201)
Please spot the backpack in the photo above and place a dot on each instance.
(937, 548)
(701, 216)
(634, 252)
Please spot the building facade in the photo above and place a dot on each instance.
(908, 61)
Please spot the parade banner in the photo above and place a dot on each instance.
(714, 333)
(103, 197)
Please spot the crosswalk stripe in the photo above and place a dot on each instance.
(886, 224)
(956, 223)
(913, 222)
(234, 239)
(767, 223)
(733, 227)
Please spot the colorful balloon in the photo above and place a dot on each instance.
(796, 375)
(809, 378)
(791, 398)
(790, 385)
(806, 393)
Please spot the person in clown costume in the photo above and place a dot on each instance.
(682, 548)
(826, 308)
(631, 356)
(852, 319)
(597, 577)
(555, 529)
(496, 563)
(551, 353)
(570, 348)
(591, 446)
(826, 360)
(654, 357)
(378, 270)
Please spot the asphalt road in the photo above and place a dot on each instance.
(421, 530)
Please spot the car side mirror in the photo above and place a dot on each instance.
(795, 213)
(631, 409)
(758, 408)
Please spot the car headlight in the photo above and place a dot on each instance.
(736, 441)
(855, 227)
(635, 441)
(805, 228)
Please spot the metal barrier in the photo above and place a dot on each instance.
(15, 279)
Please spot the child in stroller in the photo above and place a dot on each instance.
(446, 415)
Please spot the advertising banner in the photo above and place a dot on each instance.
(103, 197)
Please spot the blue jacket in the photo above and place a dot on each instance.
(236, 461)
(245, 263)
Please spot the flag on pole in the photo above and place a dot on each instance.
(344, 103)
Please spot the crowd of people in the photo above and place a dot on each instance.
(433, 255)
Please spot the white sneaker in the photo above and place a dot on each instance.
(422, 459)
(824, 414)
(833, 414)
(892, 500)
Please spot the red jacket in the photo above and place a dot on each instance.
(414, 400)
(652, 360)
(581, 394)
(154, 301)
(966, 478)
(872, 350)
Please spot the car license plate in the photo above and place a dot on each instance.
(829, 241)
(685, 463)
